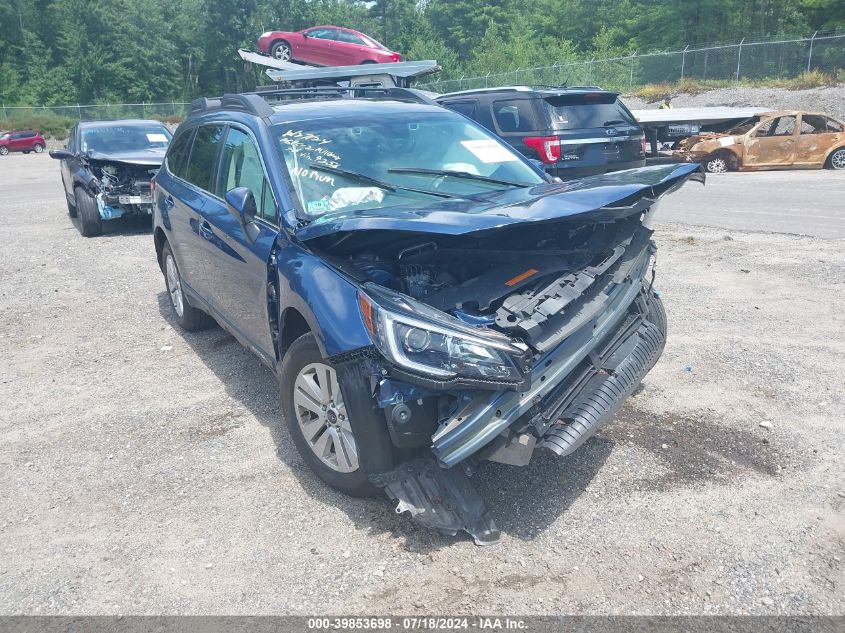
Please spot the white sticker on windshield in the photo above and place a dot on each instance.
(489, 151)
(157, 137)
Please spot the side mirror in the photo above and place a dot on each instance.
(61, 154)
(241, 204)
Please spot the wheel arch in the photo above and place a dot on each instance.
(830, 153)
(160, 239)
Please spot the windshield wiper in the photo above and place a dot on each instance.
(456, 174)
(612, 122)
(364, 178)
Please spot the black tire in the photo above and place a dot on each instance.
(376, 452)
(836, 161)
(26, 151)
(71, 210)
(657, 313)
(277, 46)
(3, 150)
(90, 222)
(368, 61)
(191, 319)
(38, 148)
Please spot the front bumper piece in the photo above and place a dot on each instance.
(592, 393)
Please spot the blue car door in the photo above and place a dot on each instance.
(236, 264)
(186, 203)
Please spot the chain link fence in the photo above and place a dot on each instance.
(103, 111)
(769, 59)
(750, 60)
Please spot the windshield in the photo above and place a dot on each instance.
(378, 161)
(125, 138)
(591, 110)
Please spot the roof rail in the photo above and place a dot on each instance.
(249, 103)
(344, 92)
(257, 104)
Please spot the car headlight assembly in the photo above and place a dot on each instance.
(419, 338)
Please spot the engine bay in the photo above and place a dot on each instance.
(507, 278)
(124, 188)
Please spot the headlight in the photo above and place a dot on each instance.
(424, 340)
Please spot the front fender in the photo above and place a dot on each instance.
(326, 299)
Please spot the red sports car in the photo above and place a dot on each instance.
(326, 46)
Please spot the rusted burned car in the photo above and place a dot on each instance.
(781, 140)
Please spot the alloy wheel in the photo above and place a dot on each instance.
(174, 286)
(4, 150)
(282, 53)
(837, 161)
(717, 166)
(321, 414)
(38, 149)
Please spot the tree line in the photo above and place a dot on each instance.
(111, 51)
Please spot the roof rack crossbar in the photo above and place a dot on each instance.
(386, 92)
(247, 102)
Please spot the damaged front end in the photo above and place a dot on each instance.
(491, 344)
(121, 187)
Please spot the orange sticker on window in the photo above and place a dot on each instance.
(528, 273)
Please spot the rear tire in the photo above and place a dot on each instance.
(90, 222)
(4, 150)
(351, 423)
(190, 319)
(837, 159)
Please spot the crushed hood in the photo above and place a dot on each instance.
(147, 157)
(615, 194)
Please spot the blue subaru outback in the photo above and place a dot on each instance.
(428, 299)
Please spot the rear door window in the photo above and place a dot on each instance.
(350, 38)
(515, 115)
(468, 108)
(203, 153)
(589, 110)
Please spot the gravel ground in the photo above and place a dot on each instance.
(829, 99)
(145, 471)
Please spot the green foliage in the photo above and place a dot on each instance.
(143, 51)
(50, 125)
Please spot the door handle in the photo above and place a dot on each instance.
(205, 231)
(168, 202)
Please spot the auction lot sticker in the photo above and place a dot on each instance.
(489, 151)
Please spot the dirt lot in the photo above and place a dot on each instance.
(144, 470)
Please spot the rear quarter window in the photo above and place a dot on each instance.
(515, 115)
(178, 152)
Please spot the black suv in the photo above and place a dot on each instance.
(576, 131)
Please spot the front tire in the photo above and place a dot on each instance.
(718, 163)
(837, 159)
(38, 148)
(281, 51)
(190, 319)
(90, 222)
(334, 424)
